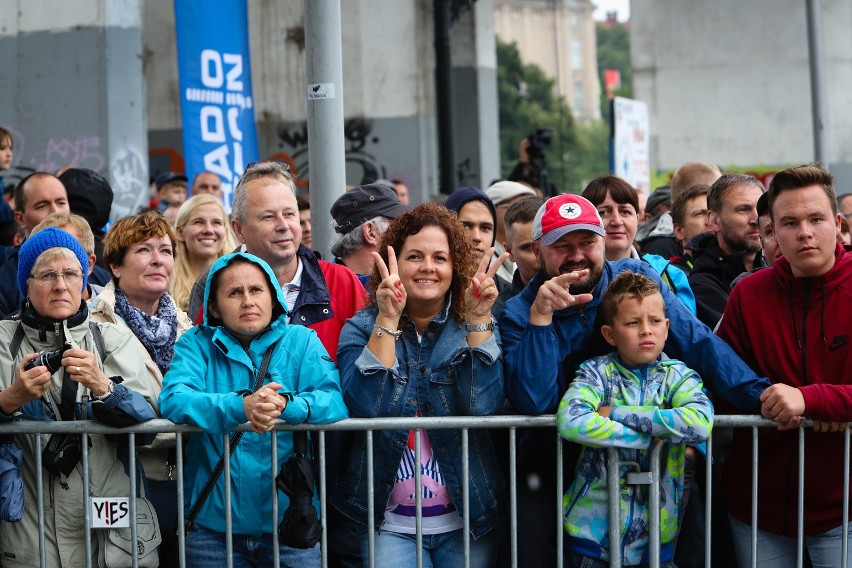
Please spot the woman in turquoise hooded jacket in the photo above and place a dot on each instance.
(210, 384)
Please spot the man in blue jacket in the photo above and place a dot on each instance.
(550, 328)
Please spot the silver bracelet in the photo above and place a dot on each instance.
(382, 329)
(481, 326)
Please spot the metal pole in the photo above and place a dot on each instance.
(817, 92)
(444, 96)
(324, 71)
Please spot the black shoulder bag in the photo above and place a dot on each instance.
(220, 467)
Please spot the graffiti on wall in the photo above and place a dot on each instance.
(127, 172)
(362, 166)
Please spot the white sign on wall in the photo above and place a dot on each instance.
(631, 143)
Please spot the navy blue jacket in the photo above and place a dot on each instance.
(542, 360)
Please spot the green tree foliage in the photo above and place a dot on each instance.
(528, 102)
(613, 41)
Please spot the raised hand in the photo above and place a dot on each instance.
(390, 293)
(555, 294)
(482, 292)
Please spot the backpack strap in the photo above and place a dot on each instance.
(17, 339)
(99, 340)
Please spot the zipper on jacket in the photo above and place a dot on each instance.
(583, 319)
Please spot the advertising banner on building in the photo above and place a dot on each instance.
(216, 101)
(631, 158)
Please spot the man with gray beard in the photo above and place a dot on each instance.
(733, 246)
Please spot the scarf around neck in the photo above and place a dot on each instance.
(157, 333)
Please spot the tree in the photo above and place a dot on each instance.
(528, 102)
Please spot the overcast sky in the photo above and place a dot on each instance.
(604, 6)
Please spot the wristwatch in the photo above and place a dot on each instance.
(110, 390)
(481, 326)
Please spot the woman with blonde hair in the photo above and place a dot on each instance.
(203, 235)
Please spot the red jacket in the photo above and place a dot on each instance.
(794, 331)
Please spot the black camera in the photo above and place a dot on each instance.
(50, 359)
(540, 140)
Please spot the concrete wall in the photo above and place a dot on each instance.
(388, 93)
(727, 81)
(73, 91)
(94, 83)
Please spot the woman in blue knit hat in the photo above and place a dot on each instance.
(56, 365)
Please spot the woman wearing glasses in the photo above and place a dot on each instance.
(139, 251)
(99, 376)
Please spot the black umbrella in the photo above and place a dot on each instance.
(300, 527)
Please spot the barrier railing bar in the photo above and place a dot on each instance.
(86, 428)
(229, 529)
(844, 549)
(513, 495)
(418, 499)
(708, 518)
(654, 500)
(613, 475)
(466, 495)
(800, 516)
(42, 552)
(180, 515)
(754, 498)
(276, 554)
(323, 493)
(87, 513)
(371, 506)
(560, 490)
(131, 450)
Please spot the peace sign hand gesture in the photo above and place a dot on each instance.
(480, 296)
(390, 294)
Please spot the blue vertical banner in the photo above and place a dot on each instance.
(217, 106)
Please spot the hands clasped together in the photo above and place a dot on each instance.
(263, 407)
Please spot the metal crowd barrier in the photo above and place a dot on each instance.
(368, 426)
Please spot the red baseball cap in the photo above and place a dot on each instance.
(563, 214)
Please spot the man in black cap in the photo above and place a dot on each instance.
(361, 217)
(90, 196)
(656, 235)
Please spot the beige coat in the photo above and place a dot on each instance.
(153, 457)
(63, 508)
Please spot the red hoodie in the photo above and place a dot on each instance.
(795, 331)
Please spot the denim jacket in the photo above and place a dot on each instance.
(441, 376)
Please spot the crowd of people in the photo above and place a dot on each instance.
(625, 324)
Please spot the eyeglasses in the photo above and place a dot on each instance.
(70, 277)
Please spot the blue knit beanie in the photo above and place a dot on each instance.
(40, 242)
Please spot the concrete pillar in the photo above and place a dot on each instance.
(73, 91)
(475, 107)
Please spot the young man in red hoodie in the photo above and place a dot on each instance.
(790, 323)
